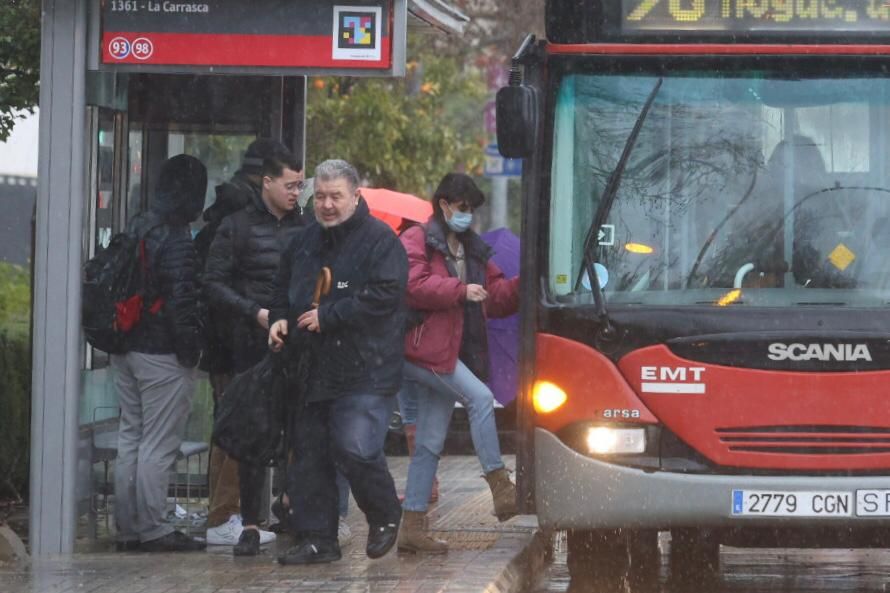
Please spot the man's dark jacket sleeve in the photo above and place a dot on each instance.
(219, 276)
(280, 302)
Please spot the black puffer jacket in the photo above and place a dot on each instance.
(232, 196)
(172, 262)
(239, 278)
(360, 349)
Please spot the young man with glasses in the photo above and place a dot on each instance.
(224, 518)
(239, 278)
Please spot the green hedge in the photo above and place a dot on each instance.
(15, 379)
(15, 412)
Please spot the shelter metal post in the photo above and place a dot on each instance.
(57, 343)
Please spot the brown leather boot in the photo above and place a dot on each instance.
(503, 492)
(413, 537)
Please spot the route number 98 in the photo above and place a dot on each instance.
(142, 48)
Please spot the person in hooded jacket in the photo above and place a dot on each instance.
(452, 286)
(224, 523)
(155, 379)
(354, 338)
(238, 282)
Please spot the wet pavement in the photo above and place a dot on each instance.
(485, 556)
(742, 571)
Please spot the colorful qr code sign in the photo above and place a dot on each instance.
(357, 31)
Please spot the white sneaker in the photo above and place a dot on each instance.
(267, 537)
(344, 533)
(228, 533)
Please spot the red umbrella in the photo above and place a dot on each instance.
(394, 208)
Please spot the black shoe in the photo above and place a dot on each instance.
(278, 528)
(381, 539)
(131, 545)
(311, 553)
(248, 544)
(175, 541)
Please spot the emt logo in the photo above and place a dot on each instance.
(674, 380)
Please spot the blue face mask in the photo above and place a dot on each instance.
(460, 221)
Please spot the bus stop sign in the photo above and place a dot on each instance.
(305, 37)
(498, 166)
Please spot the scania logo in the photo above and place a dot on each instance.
(821, 352)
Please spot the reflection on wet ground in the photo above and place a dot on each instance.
(771, 570)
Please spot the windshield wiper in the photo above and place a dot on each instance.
(605, 206)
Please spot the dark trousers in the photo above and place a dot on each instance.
(251, 479)
(222, 471)
(346, 433)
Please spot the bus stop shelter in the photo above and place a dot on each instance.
(125, 85)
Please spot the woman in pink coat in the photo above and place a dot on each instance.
(453, 286)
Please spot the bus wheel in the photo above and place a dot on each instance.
(613, 554)
(695, 555)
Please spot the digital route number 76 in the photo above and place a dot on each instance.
(675, 7)
(779, 11)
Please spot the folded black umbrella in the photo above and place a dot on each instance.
(257, 407)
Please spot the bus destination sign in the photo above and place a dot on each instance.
(738, 16)
(309, 34)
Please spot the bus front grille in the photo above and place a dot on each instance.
(807, 440)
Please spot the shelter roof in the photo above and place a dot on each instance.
(436, 14)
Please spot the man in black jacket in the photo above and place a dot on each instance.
(354, 341)
(224, 524)
(155, 379)
(239, 280)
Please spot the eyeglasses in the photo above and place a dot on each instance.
(295, 185)
(292, 186)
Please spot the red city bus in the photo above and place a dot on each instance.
(706, 274)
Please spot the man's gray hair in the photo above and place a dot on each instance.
(337, 169)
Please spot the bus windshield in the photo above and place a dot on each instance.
(750, 189)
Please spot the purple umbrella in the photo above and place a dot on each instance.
(503, 334)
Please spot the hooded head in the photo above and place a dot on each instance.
(257, 152)
(182, 185)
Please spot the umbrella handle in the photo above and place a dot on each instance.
(322, 286)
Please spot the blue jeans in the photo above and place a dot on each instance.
(345, 434)
(436, 394)
(408, 401)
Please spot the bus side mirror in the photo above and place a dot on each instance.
(517, 121)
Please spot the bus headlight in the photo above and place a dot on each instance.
(602, 440)
(548, 397)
